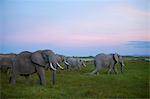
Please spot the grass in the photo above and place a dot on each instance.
(134, 83)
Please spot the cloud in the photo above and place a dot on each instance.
(139, 44)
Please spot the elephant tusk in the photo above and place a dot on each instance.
(59, 66)
(123, 65)
(52, 66)
(66, 63)
(84, 65)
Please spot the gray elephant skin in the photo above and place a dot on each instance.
(108, 61)
(74, 63)
(27, 63)
(6, 61)
(60, 58)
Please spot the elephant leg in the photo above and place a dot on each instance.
(97, 73)
(97, 69)
(70, 68)
(26, 77)
(9, 72)
(122, 69)
(115, 70)
(110, 69)
(79, 67)
(12, 79)
(41, 75)
(53, 77)
(66, 66)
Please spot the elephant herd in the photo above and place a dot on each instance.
(27, 63)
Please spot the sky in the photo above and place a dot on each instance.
(75, 27)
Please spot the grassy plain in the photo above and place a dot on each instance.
(133, 83)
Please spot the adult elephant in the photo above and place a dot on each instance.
(109, 61)
(27, 63)
(74, 63)
(6, 61)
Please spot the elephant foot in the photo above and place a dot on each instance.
(13, 82)
(109, 72)
(92, 74)
(97, 73)
(40, 83)
(44, 84)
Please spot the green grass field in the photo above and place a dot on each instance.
(134, 83)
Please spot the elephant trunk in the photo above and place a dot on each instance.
(53, 77)
(53, 73)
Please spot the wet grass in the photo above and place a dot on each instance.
(134, 83)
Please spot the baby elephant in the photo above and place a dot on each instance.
(74, 63)
(108, 61)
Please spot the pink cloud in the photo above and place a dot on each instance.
(79, 39)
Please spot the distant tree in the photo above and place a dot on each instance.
(91, 56)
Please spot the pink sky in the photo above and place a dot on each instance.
(81, 24)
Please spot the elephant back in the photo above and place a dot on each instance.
(7, 56)
(24, 55)
(6, 60)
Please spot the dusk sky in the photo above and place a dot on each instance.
(76, 27)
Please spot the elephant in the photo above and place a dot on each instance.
(6, 61)
(60, 59)
(74, 63)
(27, 63)
(108, 61)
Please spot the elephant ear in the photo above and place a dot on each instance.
(38, 59)
(116, 57)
